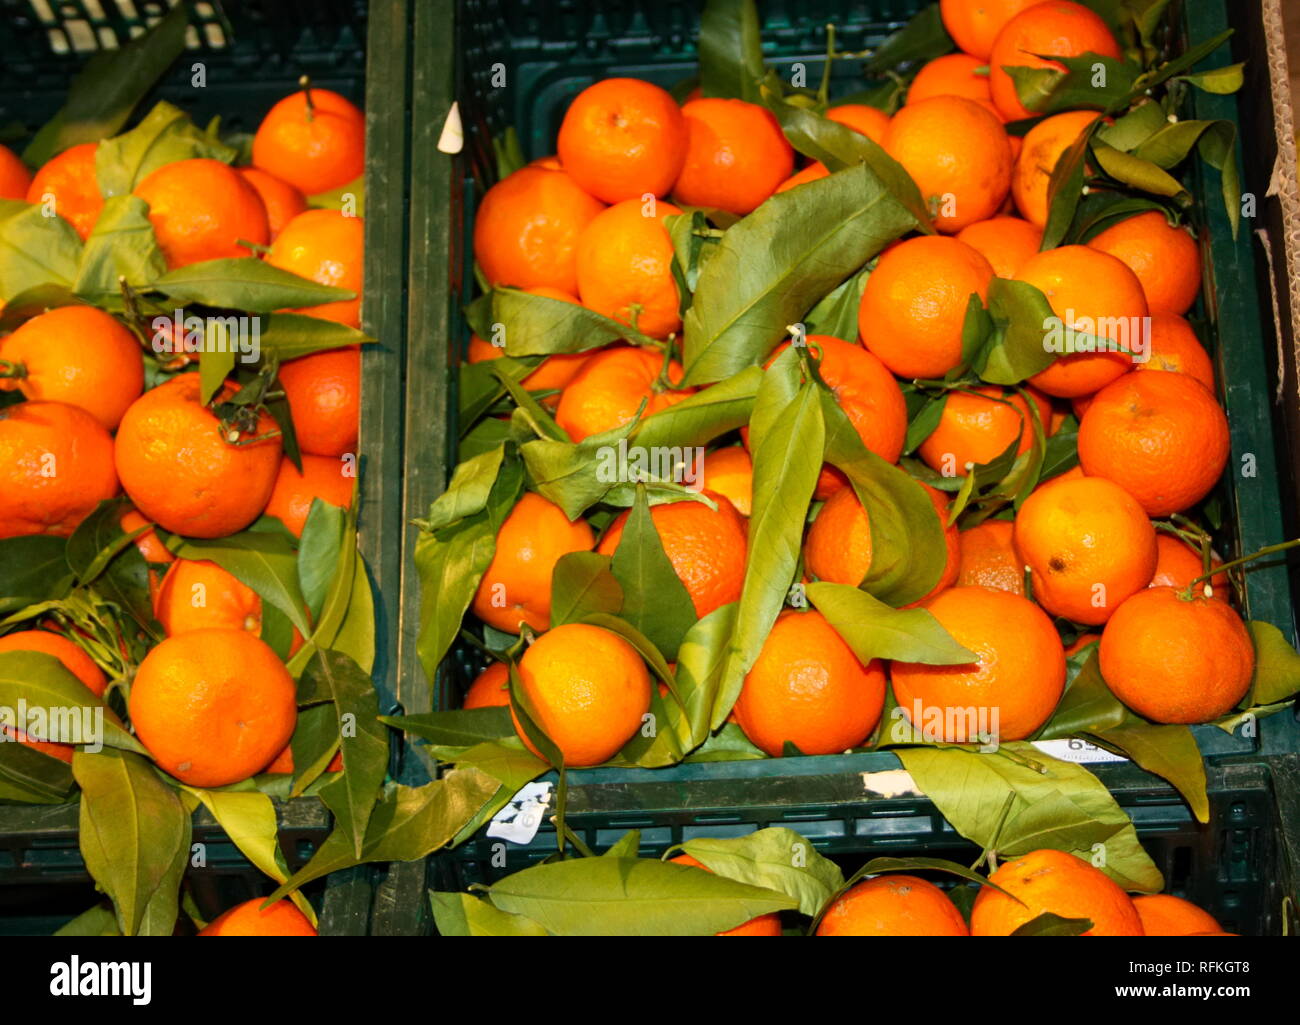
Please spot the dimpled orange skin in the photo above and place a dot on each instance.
(196, 594)
(248, 919)
(527, 229)
(976, 429)
(893, 905)
(807, 687)
(609, 388)
(763, 925)
(148, 543)
(180, 471)
(79, 355)
(324, 393)
(1178, 564)
(1006, 242)
(863, 119)
(838, 548)
(490, 689)
(322, 477)
(730, 472)
(313, 150)
(953, 74)
(1041, 149)
(1176, 349)
(1163, 914)
(283, 202)
(203, 210)
(589, 690)
(625, 259)
(915, 301)
(1080, 282)
(955, 150)
(1088, 545)
(70, 179)
(56, 465)
(1053, 881)
(529, 544)
(736, 155)
(1166, 259)
(1176, 659)
(1019, 671)
(1055, 29)
(326, 247)
(707, 548)
(213, 707)
(14, 176)
(975, 24)
(622, 138)
(1162, 437)
(989, 559)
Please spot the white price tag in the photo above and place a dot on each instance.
(520, 820)
(1071, 749)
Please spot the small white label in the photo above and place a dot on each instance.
(1072, 749)
(520, 820)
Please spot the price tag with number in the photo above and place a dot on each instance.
(1072, 749)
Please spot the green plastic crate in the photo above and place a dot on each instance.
(550, 51)
(253, 52)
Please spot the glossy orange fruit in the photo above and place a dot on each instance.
(974, 24)
(893, 905)
(74, 660)
(954, 74)
(517, 584)
(1178, 564)
(730, 472)
(1055, 29)
(248, 919)
(14, 176)
(622, 139)
(1006, 242)
(625, 267)
(839, 545)
(213, 707)
(1088, 546)
(811, 173)
(957, 153)
(1177, 658)
(864, 119)
(527, 228)
(491, 688)
(808, 687)
(989, 559)
(314, 139)
(1165, 258)
(56, 465)
(322, 477)
(977, 428)
(589, 691)
(150, 546)
(69, 180)
(736, 155)
(327, 247)
(283, 202)
(1161, 437)
(75, 354)
(197, 594)
(182, 472)
(1053, 881)
(1041, 150)
(1094, 293)
(324, 393)
(763, 925)
(915, 301)
(611, 386)
(1163, 914)
(1013, 685)
(203, 210)
(706, 547)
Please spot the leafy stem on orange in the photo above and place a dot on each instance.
(1186, 592)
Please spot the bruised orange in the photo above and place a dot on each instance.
(1042, 148)
(989, 559)
(1174, 348)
